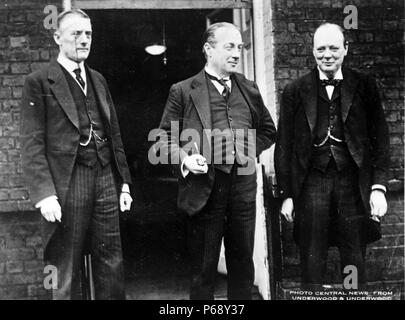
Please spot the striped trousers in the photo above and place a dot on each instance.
(229, 213)
(330, 210)
(90, 224)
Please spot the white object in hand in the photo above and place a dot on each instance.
(125, 201)
(50, 209)
(378, 203)
(196, 164)
(287, 209)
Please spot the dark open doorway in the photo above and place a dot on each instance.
(154, 233)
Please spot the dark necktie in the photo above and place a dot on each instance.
(227, 91)
(79, 77)
(330, 82)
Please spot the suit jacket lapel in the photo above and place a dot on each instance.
(60, 89)
(309, 98)
(100, 93)
(347, 91)
(200, 97)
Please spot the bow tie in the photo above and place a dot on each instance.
(331, 82)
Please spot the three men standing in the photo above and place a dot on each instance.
(74, 163)
(331, 158)
(331, 161)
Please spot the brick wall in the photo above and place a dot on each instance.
(375, 47)
(25, 45)
(21, 264)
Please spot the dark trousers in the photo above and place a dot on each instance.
(330, 209)
(230, 213)
(90, 223)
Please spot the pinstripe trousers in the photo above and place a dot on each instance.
(330, 210)
(90, 224)
(230, 213)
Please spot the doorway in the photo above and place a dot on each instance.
(153, 233)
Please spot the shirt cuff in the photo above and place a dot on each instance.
(41, 202)
(184, 171)
(125, 188)
(379, 187)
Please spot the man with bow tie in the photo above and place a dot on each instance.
(74, 164)
(215, 190)
(331, 159)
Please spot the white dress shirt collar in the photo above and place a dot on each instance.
(70, 65)
(338, 74)
(330, 89)
(217, 85)
(214, 74)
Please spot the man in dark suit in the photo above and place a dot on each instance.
(74, 164)
(222, 112)
(331, 158)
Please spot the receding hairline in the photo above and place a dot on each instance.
(209, 35)
(328, 25)
(70, 13)
(212, 30)
(225, 25)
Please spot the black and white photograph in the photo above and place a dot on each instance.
(220, 151)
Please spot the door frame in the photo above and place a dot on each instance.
(261, 60)
(162, 5)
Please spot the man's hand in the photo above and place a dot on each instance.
(196, 164)
(50, 209)
(287, 209)
(125, 201)
(378, 203)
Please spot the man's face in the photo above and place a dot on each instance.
(223, 56)
(329, 50)
(74, 37)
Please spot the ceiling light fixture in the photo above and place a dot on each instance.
(155, 49)
(158, 49)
